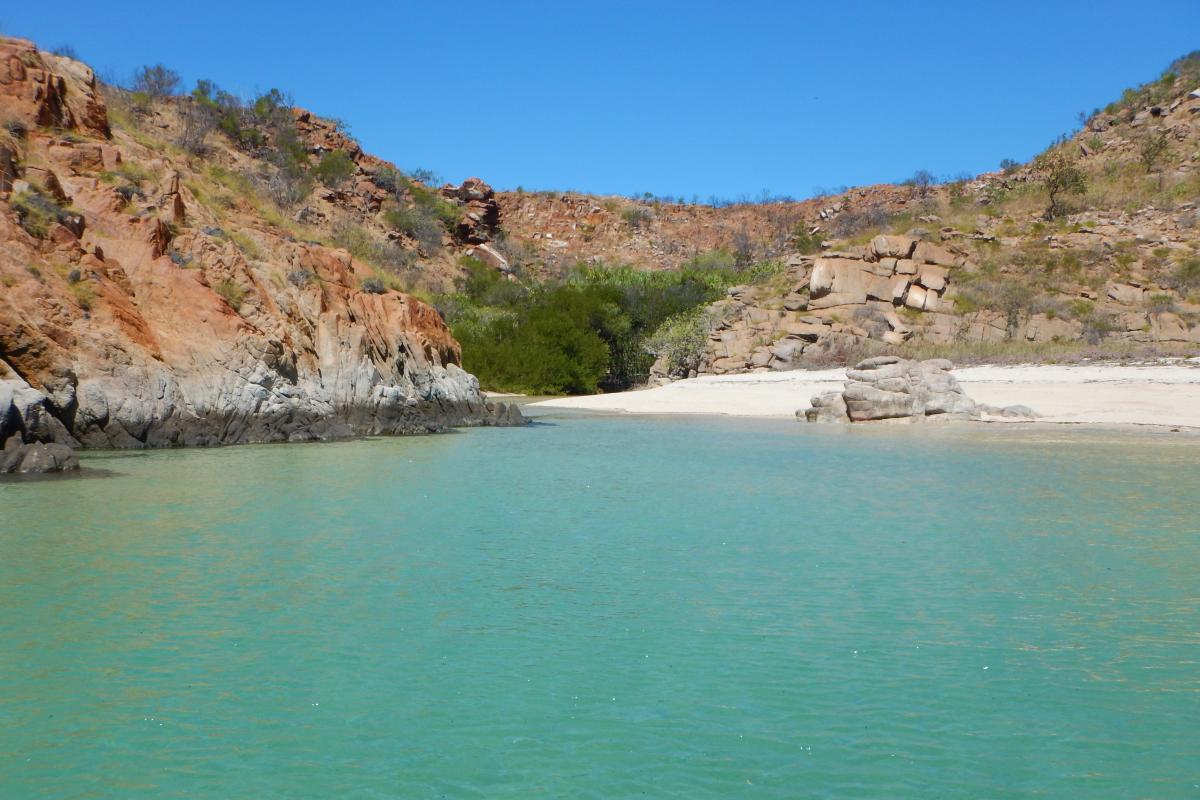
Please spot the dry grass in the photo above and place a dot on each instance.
(1054, 352)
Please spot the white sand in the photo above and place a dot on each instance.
(1160, 394)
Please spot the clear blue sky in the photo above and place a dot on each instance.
(671, 97)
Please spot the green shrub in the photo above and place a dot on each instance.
(334, 168)
(553, 348)
(1097, 325)
(418, 223)
(1159, 303)
(1061, 176)
(389, 179)
(85, 296)
(682, 339)
(364, 246)
(231, 293)
(1154, 147)
(719, 260)
(246, 244)
(38, 212)
(1186, 276)
(373, 286)
(806, 241)
(1079, 308)
(621, 308)
(447, 213)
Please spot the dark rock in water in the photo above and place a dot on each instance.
(18, 457)
(505, 415)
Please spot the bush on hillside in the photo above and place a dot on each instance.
(806, 241)
(1153, 148)
(1061, 176)
(852, 223)
(1186, 277)
(364, 246)
(231, 293)
(921, 181)
(426, 176)
(155, 82)
(418, 224)
(334, 168)
(637, 216)
(38, 212)
(681, 339)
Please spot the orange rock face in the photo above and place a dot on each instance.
(133, 315)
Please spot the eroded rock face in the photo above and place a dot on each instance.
(892, 388)
(136, 323)
(52, 91)
(182, 368)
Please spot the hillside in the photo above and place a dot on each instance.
(192, 267)
(152, 293)
(977, 269)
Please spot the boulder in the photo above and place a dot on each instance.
(928, 253)
(1125, 293)
(915, 298)
(36, 457)
(892, 388)
(892, 246)
(795, 302)
(828, 407)
(839, 282)
(491, 257)
(932, 277)
(865, 401)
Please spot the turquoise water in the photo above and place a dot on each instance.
(605, 607)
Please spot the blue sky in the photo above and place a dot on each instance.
(680, 98)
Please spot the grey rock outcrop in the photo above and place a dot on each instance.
(892, 388)
(35, 440)
(18, 457)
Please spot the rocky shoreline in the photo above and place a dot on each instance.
(40, 435)
(136, 311)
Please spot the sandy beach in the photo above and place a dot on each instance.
(1100, 394)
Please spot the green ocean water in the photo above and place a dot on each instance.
(610, 607)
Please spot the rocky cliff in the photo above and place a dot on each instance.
(142, 306)
(974, 268)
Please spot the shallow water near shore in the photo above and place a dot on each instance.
(607, 606)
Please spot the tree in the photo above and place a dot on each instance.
(157, 82)
(921, 180)
(1061, 176)
(1153, 149)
